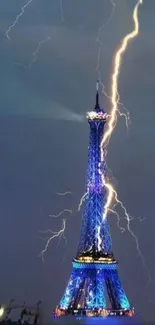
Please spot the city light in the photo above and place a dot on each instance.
(2, 310)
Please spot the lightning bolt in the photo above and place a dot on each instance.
(126, 115)
(114, 101)
(64, 193)
(112, 194)
(35, 53)
(60, 232)
(61, 11)
(118, 219)
(112, 121)
(17, 18)
(60, 213)
(98, 40)
(53, 235)
(115, 76)
(82, 200)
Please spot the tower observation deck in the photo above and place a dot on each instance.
(94, 287)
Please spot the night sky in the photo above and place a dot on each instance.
(42, 151)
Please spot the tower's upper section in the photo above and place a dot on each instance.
(95, 240)
(98, 113)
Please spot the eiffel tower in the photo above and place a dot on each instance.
(94, 288)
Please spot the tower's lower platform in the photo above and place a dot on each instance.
(94, 290)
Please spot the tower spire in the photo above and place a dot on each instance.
(97, 95)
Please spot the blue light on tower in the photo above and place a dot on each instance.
(94, 288)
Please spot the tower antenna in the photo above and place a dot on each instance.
(97, 95)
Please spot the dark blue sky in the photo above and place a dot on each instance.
(43, 152)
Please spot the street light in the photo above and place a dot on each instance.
(1, 311)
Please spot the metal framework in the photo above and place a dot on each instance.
(94, 287)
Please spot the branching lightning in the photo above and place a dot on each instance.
(35, 53)
(118, 219)
(84, 197)
(112, 119)
(52, 235)
(111, 123)
(64, 193)
(60, 213)
(115, 76)
(126, 115)
(112, 195)
(17, 18)
(59, 233)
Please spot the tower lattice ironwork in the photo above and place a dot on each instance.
(94, 287)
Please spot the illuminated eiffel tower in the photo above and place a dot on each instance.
(94, 287)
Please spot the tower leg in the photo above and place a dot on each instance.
(72, 287)
(115, 290)
(100, 289)
(85, 290)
